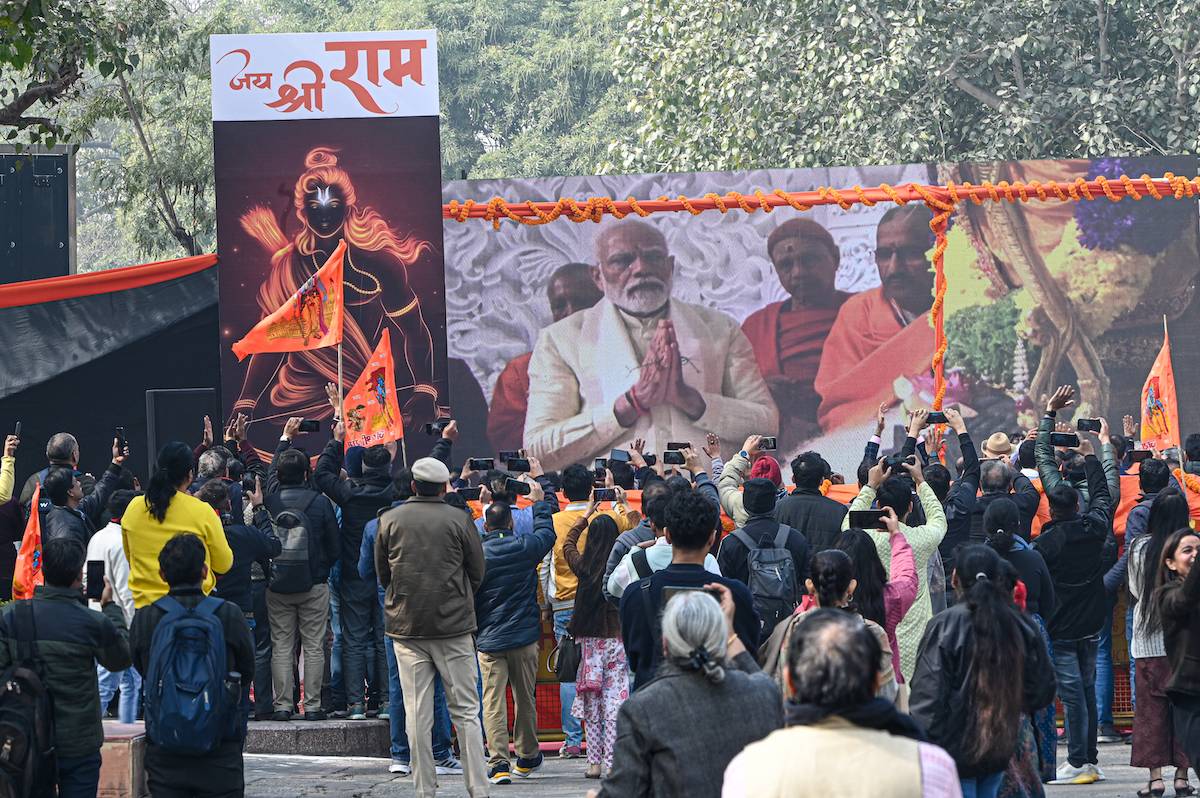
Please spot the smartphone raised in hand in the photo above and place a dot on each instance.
(433, 428)
(867, 519)
(508, 454)
(1067, 439)
(119, 434)
(309, 425)
(620, 455)
(604, 494)
(768, 444)
(470, 494)
(518, 465)
(95, 579)
(481, 463)
(517, 487)
(672, 457)
(937, 417)
(1087, 424)
(679, 445)
(1138, 455)
(17, 430)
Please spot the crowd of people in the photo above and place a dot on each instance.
(716, 633)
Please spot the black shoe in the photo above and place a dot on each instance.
(1109, 734)
(315, 714)
(281, 715)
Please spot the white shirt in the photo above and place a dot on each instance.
(658, 557)
(106, 545)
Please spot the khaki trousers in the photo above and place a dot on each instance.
(516, 668)
(307, 614)
(453, 658)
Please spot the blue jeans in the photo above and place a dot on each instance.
(396, 717)
(337, 689)
(1075, 669)
(1129, 640)
(1104, 668)
(363, 661)
(130, 683)
(79, 776)
(572, 727)
(982, 786)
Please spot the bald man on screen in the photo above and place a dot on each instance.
(640, 364)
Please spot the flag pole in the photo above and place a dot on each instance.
(404, 452)
(341, 386)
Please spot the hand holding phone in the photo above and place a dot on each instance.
(517, 487)
(309, 425)
(936, 417)
(470, 494)
(867, 519)
(1067, 439)
(481, 463)
(518, 465)
(95, 579)
(604, 495)
(1087, 424)
(673, 457)
(768, 444)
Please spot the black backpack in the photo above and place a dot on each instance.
(291, 569)
(27, 758)
(771, 578)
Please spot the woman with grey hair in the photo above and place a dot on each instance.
(709, 700)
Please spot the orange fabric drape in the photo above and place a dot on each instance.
(33, 292)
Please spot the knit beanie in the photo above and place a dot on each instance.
(767, 467)
(758, 496)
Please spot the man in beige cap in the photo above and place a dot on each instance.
(998, 446)
(429, 560)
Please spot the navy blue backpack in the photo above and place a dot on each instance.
(191, 706)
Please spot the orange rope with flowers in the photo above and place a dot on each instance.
(941, 200)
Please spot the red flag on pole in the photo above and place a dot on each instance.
(311, 319)
(371, 410)
(28, 573)
(1160, 409)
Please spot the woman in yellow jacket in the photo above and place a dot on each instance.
(165, 511)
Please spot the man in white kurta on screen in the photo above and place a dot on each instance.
(640, 364)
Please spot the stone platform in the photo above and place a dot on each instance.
(319, 738)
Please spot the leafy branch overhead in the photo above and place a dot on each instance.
(46, 49)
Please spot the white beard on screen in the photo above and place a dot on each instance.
(644, 298)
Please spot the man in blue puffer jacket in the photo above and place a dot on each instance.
(510, 629)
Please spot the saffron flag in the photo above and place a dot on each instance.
(370, 410)
(28, 573)
(311, 319)
(1160, 410)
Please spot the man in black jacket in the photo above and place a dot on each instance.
(817, 517)
(762, 531)
(510, 630)
(997, 479)
(360, 499)
(62, 450)
(1078, 549)
(169, 775)
(72, 513)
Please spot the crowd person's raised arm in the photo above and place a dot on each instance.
(8, 467)
(700, 477)
(1043, 452)
(733, 475)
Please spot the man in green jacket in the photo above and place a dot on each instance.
(71, 639)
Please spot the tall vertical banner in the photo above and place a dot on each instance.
(370, 410)
(326, 142)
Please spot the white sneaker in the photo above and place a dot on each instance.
(1069, 774)
(403, 768)
(1097, 772)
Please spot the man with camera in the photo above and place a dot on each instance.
(891, 482)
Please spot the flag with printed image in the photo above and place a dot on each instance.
(371, 410)
(311, 319)
(28, 573)
(1160, 409)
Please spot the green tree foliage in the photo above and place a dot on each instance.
(835, 82)
(46, 47)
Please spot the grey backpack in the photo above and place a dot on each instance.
(772, 578)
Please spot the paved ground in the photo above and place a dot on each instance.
(268, 776)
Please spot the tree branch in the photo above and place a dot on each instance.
(982, 95)
(13, 113)
(1019, 73)
(1102, 24)
(166, 208)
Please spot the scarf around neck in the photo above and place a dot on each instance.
(874, 714)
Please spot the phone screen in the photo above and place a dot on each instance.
(481, 463)
(1138, 455)
(679, 445)
(673, 458)
(768, 444)
(867, 519)
(1088, 425)
(508, 454)
(470, 494)
(518, 465)
(604, 494)
(517, 487)
(95, 579)
(1068, 439)
(620, 454)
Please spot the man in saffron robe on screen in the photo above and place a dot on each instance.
(570, 288)
(377, 293)
(788, 336)
(882, 333)
(640, 364)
